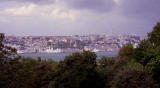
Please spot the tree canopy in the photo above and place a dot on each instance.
(77, 71)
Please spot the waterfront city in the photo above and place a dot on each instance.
(75, 43)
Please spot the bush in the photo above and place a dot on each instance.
(133, 78)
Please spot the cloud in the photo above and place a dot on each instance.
(49, 12)
(146, 9)
(117, 1)
(68, 17)
(20, 11)
(31, 1)
(63, 14)
(141, 6)
(94, 5)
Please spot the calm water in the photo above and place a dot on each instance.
(61, 56)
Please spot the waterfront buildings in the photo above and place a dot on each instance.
(96, 43)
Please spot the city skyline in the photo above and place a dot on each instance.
(54, 44)
(77, 17)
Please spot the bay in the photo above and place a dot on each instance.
(61, 56)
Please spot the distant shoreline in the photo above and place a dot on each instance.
(62, 55)
(61, 52)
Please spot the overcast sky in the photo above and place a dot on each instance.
(71, 17)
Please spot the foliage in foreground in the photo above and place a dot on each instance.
(148, 53)
(77, 71)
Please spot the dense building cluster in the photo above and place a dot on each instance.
(96, 43)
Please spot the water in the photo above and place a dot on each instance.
(61, 56)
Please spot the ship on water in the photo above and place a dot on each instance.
(51, 50)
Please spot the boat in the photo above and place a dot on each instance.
(95, 50)
(51, 50)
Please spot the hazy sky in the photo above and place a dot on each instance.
(70, 17)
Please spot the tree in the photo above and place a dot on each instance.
(28, 63)
(106, 69)
(6, 52)
(106, 61)
(140, 52)
(148, 53)
(133, 78)
(41, 75)
(126, 50)
(154, 36)
(153, 64)
(12, 74)
(77, 71)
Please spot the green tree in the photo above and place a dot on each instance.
(28, 62)
(106, 69)
(12, 75)
(51, 62)
(140, 52)
(154, 36)
(153, 63)
(126, 50)
(106, 61)
(38, 71)
(6, 52)
(77, 71)
(41, 75)
(148, 51)
(133, 78)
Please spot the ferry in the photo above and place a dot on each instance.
(51, 50)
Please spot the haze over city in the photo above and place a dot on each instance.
(71, 17)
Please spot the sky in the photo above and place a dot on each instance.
(78, 17)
